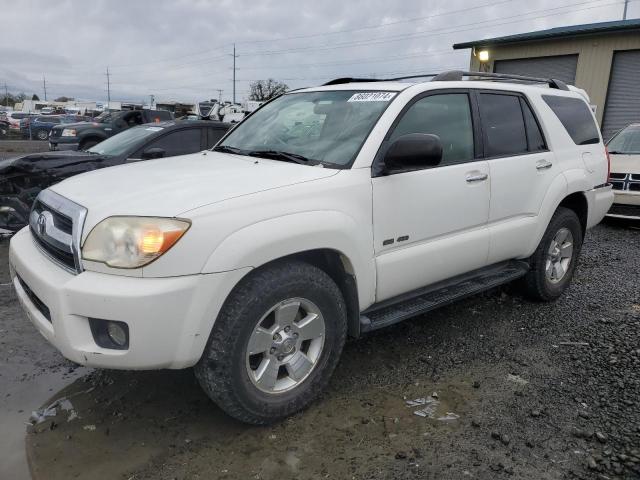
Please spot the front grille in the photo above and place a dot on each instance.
(625, 181)
(56, 223)
(625, 210)
(39, 304)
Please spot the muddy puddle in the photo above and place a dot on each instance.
(123, 423)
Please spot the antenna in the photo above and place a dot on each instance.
(108, 86)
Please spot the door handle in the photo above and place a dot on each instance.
(543, 165)
(476, 177)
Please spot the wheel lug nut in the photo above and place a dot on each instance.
(273, 350)
(276, 336)
(280, 357)
(295, 334)
(287, 329)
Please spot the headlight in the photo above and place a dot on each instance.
(69, 132)
(132, 242)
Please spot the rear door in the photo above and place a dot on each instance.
(431, 224)
(521, 169)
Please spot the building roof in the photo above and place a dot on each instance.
(558, 32)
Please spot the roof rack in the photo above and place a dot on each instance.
(457, 75)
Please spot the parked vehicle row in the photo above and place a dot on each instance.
(84, 135)
(330, 211)
(38, 127)
(22, 178)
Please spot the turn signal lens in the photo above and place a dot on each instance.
(132, 242)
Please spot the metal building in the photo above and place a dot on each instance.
(603, 58)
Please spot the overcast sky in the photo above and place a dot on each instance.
(181, 49)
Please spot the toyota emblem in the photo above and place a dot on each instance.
(42, 223)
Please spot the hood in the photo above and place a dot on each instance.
(50, 162)
(73, 125)
(625, 163)
(172, 186)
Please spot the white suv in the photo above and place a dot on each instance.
(328, 212)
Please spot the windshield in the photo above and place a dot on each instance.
(103, 117)
(626, 141)
(125, 141)
(328, 127)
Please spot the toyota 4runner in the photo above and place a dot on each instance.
(329, 211)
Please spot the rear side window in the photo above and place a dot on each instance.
(534, 135)
(215, 134)
(446, 115)
(575, 116)
(503, 125)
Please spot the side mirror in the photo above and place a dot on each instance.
(414, 151)
(155, 152)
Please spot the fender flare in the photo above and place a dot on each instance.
(268, 240)
(565, 184)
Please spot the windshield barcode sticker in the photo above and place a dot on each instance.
(372, 97)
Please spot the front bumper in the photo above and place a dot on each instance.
(626, 204)
(169, 319)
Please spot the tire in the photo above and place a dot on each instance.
(552, 268)
(87, 144)
(41, 134)
(230, 375)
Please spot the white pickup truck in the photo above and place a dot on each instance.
(330, 211)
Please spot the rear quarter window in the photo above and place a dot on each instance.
(576, 118)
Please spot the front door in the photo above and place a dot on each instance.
(431, 224)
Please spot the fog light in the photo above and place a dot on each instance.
(110, 333)
(117, 334)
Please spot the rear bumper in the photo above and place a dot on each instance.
(169, 319)
(599, 201)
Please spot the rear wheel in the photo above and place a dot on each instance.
(275, 343)
(554, 261)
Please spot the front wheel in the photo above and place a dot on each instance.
(554, 261)
(275, 343)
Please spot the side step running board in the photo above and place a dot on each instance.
(429, 298)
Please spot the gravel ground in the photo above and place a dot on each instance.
(524, 390)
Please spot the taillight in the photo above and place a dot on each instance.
(606, 150)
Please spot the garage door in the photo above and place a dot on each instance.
(560, 67)
(623, 98)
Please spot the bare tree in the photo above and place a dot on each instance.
(63, 99)
(263, 90)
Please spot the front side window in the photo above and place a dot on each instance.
(576, 118)
(627, 141)
(180, 142)
(326, 127)
(446, 115)
(503, 125)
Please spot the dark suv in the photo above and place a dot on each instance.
(84, 135)
(39, 127)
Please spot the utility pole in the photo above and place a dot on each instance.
(624, 13)
(234, 73)
(6, 95)
(219, 90)
(108, 87)
(44, 85)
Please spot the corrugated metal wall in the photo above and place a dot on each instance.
(623, 99)
(560, 67)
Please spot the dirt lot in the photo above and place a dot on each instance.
(533, 391)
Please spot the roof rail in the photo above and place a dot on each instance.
(339, 81)
(456, 75)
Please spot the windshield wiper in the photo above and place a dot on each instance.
(279, 155)
(228, 149)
